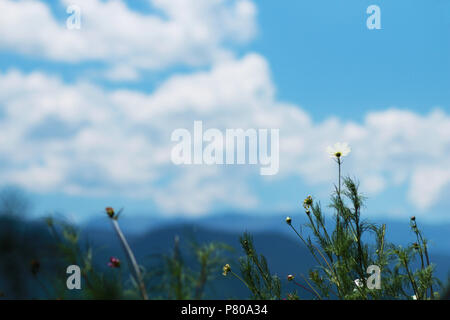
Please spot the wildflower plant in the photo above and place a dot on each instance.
(96, 284)
(348, 252)
(179, 279)
(177, 276)
(345, 254)
(137, 273)
(255, 273)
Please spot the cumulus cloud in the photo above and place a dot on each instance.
(82, 139)
(428, 183)
(179, 32)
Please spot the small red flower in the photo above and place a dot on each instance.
(114, 262)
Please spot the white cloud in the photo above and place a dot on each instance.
(427, 184)
(199, 188)
(109, 142)
(181, 32)
(373, 184)
(82, 139)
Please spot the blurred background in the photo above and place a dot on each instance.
(91, 91)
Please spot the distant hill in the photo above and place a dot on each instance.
(22, 241)
(285, 254)
(398, 232)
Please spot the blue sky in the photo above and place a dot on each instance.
(323, 57)
(88, 113)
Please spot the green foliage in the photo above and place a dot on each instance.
(345, 250)
(446, 291)
(181, 282)
(256, 274)
(344, 254)
(98, 285)
(172, 278)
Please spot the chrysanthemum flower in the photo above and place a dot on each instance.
(338, 150)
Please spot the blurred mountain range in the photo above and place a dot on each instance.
(398, 232)
(273, 238)
(149, 238)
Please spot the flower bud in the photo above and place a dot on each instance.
(307, 203)
(288, 220)
(110, 212)
(226, 269)
(114, 262)
(290, 277)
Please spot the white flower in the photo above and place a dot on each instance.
(338, 150)
(414, 297)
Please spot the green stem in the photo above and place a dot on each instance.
(318, 235)
(201, 282)
(131, 259)
(361, 258)
(306, 244)
(339, 186)
(428, 261)
(332, 270)
(413, 283)
(242, 280)
(306, 280)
